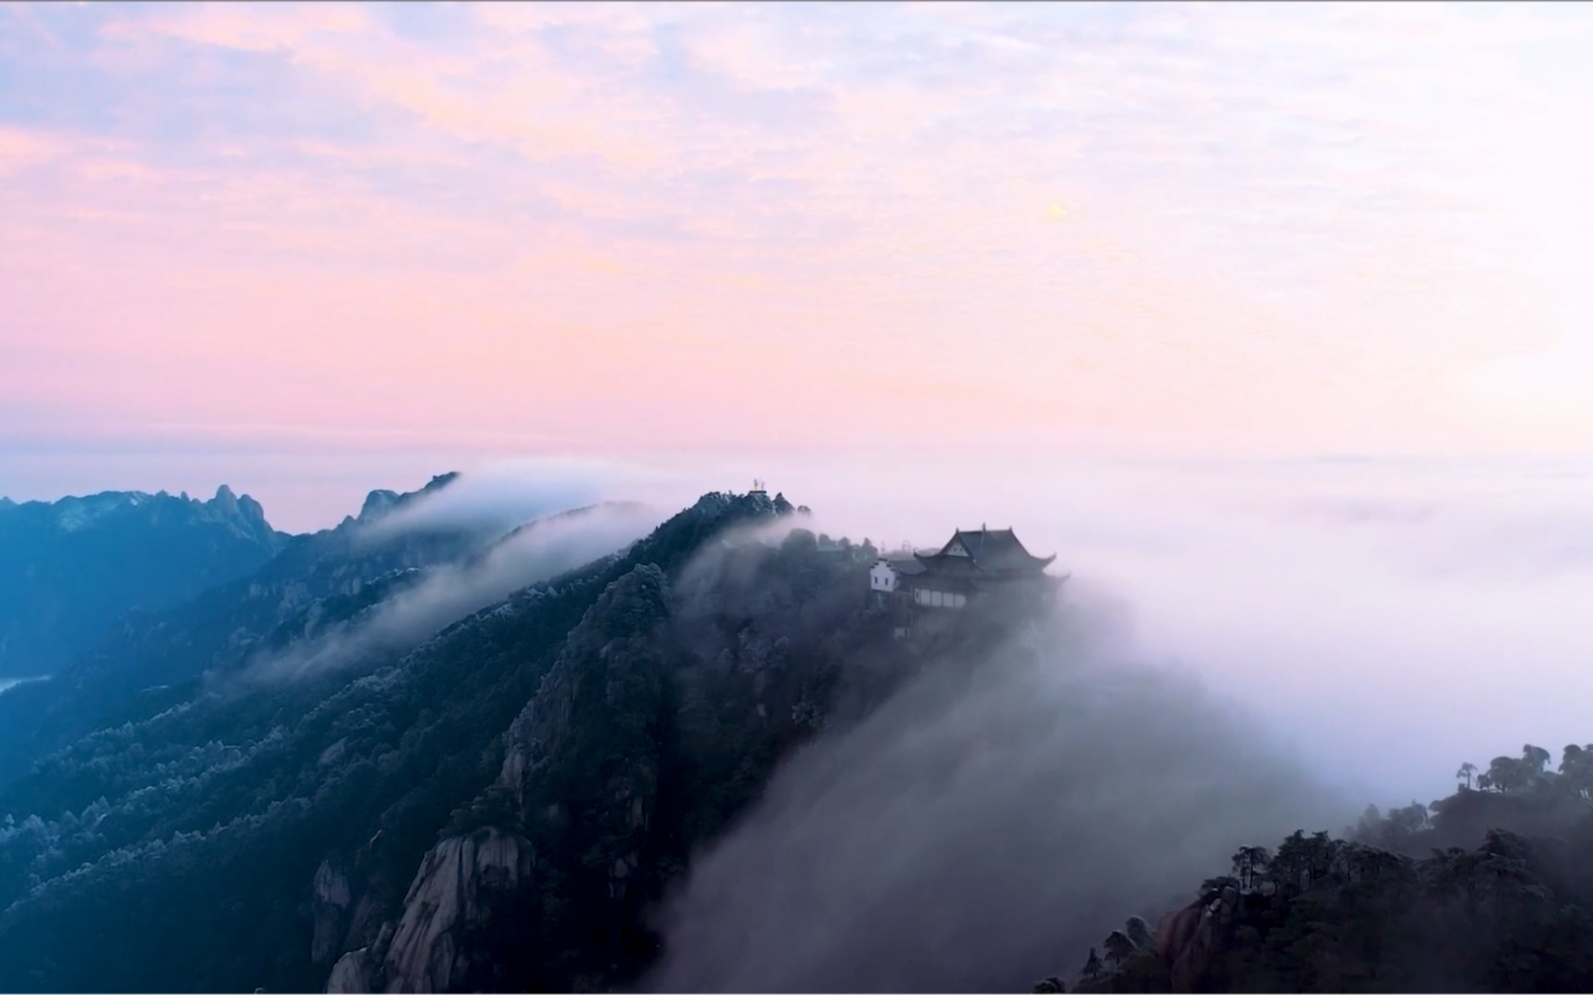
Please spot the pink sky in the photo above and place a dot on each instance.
(898, 259)
(345, 232)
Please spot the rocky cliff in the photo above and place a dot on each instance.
(660, 718)
(452, 892)
(581, 765)
(1187, 940)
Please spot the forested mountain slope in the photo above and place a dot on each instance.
(1490, 889)
(495, 808)
(150, 659)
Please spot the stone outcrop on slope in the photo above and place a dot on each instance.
(597, 709)
(451, 892)
(583, 750)
(330, 897)
(1188, 939)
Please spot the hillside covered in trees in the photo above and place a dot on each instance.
(437, 757)
(495, 806)
(1490, 889)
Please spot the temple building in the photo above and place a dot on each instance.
(973, 566)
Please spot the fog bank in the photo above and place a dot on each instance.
(1391, 617)
(7, 683)
(986, 826)
(537, 551)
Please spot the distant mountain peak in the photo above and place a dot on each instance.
(380, 502)
(69, 568)
(718, 502)
(377, 503)
(74, 514)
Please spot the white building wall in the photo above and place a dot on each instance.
(939, 599)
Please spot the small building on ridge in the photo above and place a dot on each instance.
(974, 566)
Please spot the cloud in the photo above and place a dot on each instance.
(540, 550)
(494, 498)
(21, 149)
(1248, 647)
(7, 683)
(224, 25)
(985, 825)
(1278, 211)
(1388, 617)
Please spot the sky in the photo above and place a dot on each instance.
(1269, 320)
(295, 247)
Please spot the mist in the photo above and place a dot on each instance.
(1389, 618)
(7, 683)
(537, 551)
(493, 499)
(987, 825)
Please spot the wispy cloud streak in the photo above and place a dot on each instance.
(537, 551)
(1182, 227)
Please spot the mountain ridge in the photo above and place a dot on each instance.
(71, 568)
(252, 793)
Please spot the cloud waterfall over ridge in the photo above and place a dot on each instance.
(984, 826)
(538, 551)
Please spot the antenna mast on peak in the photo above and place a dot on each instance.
(757, 486)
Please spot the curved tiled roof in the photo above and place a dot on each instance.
(989, 549)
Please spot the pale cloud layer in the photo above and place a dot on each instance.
(612, 228)
(537, 551)
(1388, 618)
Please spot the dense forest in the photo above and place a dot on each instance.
(1490, 889)
(496, 807)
